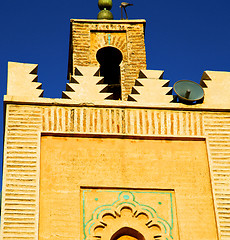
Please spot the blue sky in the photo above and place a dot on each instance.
(184, 38)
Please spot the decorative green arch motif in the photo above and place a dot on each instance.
(126, 200)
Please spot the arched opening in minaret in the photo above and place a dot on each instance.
(127, 233)
(110, 59)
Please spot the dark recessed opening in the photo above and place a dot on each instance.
(125, 233)
(110, 59)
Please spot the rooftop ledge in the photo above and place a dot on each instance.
(114, 104)
(143, 21)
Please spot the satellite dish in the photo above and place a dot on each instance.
(188, 90)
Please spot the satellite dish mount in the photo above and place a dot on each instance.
(188, 92)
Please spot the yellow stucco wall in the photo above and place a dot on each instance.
(25, 124)
(69, 163)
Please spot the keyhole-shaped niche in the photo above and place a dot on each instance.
(110, 59)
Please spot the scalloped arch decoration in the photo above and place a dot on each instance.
(126, 213)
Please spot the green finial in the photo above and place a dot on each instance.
(105, 6)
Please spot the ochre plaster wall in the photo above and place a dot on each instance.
(26, 122)
(68, 163)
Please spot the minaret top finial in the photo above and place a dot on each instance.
(105, 6)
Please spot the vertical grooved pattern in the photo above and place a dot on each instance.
(123, 121)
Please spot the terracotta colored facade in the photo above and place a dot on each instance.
(143, 167)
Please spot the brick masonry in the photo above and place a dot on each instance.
(87, 37)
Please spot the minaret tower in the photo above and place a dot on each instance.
(116, 158)
(117, 47)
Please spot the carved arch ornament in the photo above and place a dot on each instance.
(126, 217)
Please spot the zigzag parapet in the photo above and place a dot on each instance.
(22, 80)
(86, 86)
(216, 87)
(151, 88)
